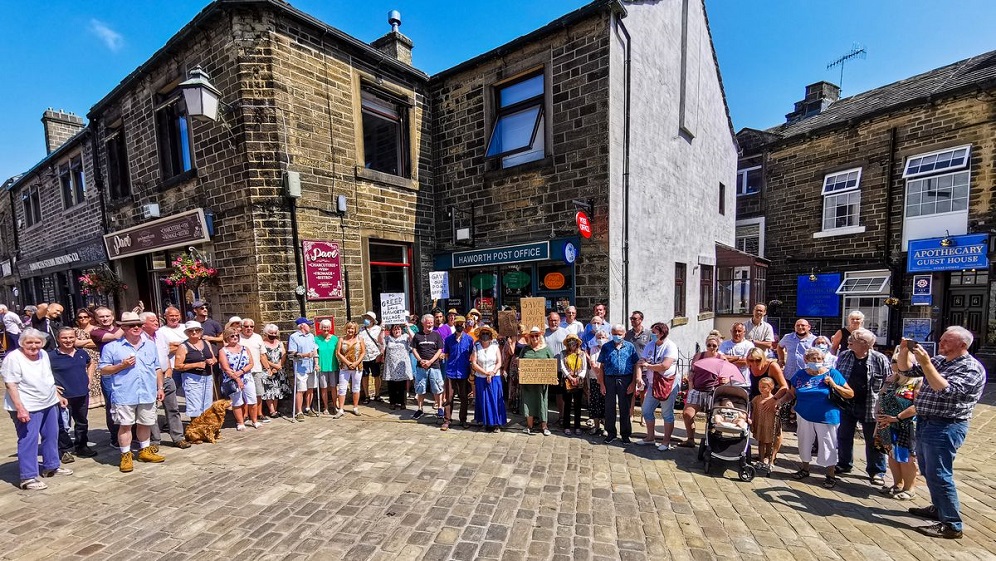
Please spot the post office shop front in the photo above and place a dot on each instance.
(488, 279)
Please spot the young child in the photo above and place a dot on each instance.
(763, 409)
(729, 417)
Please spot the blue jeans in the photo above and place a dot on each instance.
(937, 441)
(44, 424)
(876, 461)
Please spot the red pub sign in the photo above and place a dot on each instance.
(322, 270)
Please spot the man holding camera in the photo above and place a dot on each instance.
(953, 383)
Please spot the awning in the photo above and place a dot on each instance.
(853, 286)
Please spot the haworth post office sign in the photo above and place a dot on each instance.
(178, 230)
(960, 253)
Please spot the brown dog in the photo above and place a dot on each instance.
(207, 427)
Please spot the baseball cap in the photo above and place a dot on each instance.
(301, 320)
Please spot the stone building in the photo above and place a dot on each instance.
(616, 110)
(55, 211)
(309, 119)
(849, 195)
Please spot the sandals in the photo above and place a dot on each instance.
(904, 495)
(686, 444)
(890, 490)
(801, 474)
(830, 482)
(33, 485)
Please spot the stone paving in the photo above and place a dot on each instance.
(380, 487)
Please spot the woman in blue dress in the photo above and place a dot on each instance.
(489, 403)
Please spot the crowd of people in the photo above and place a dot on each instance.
(912, 409)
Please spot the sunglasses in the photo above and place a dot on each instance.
(234, 337)
(83, 317)
(195, 330)
(712, 346)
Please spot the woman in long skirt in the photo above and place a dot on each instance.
(489, 403)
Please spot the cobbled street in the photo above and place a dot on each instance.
(378, 487)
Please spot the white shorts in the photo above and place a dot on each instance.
(344, 378)
(127, 415)
(306, 381)
(702, 399)
(248, 394)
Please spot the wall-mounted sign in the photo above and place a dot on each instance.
(921, 290)
(584, 224)
(538, 251)
(322, 270)
(818, 297)
(553, 281)
(960, 253)
(178, 230)
(54, 261)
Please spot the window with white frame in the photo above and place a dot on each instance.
(866, 292)
(936, 162)
(937, 191)
(518, 134)
(749, 181)
(841, 199)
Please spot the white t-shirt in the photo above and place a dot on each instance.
(729, 348)
(255, 346)
(370, 337)
(655, 354)
(576, 328)
(166, 335)
(34, 379)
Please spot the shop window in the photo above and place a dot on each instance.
(71, 181)
(385, 134)
(749, 181)
(518, 134)
(680, 270)
(31, 203)
(390, 271)
(173, 137)
(118, 182)
(706, 289)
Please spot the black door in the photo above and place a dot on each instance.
(967, 307)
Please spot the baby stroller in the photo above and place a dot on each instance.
(727, 435)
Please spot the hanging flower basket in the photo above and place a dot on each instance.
(101, 281)
(189, 272)
(892, 301)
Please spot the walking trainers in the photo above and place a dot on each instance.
(33, 485)
(56, 471)
(928, 512)
(418, 415)
(312, 413)
(67, 457)
(339, 413)
(149, 455)
(940, 530)
(126, 464)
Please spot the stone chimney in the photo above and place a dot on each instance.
(59, 127)
(394, 44)
(819, 96)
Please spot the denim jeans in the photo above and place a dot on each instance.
(937, 442)
(876, 461)
(615, 394)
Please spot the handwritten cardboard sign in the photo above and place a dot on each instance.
(538, 371)
(439, 285)
(508, 324)
(533, 312)
(392, 308)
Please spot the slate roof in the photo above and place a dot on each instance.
(978, 72)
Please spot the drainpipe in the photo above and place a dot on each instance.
(895, 268)
(626, 144)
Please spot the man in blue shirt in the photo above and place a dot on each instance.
(457, 349)
(792, 348)
(303, 350)
(132, 364)
(618, 378)
(72, 369)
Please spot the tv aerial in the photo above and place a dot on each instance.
(857, 52)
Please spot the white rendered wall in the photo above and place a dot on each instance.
(674, 180)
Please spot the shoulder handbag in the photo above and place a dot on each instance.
(229, 386)
(839, 401)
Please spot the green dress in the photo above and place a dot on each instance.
(534, 396)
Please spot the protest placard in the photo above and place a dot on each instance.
(439, 285)
(538, 371)
(392, 308)
(508, 324)
(533, 312)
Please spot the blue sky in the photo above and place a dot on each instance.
(67, 54)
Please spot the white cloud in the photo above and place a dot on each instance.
(112, 39)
